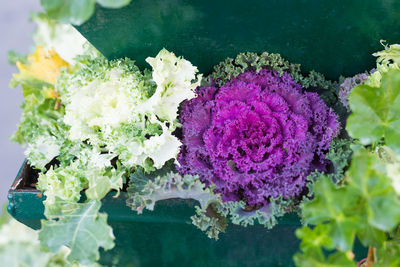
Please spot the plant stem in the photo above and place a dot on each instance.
(371, 258)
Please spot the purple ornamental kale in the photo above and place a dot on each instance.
(256, 137)
(349, 83)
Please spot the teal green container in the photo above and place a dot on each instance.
(334, 37)
(165, 236)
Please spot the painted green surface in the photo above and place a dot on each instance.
(335, 37)
(166, 237)
(26, 207)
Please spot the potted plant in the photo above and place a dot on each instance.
(251, 141)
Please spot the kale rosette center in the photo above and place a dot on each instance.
(257, 137)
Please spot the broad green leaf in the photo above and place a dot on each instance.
(331, 205)
(368, 178)
(60, 208)
(83, 229)
(336, 259)
(366, 205)
(113, 3)
(384, 211)
(389, 253)
(69, 11)
(376, 112)
(343, 232)
(312, 240)
(370, 236)
(100, 185)
(329, 202)
(77, 11)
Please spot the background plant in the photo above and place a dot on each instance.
(366, 204)
(77, 11)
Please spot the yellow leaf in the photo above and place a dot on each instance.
(49, 92)
(43, 65)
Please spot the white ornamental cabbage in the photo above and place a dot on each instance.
(113, 105)
(101, 103)
(176, 80)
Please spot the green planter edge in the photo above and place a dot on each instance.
(166, 237)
